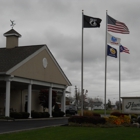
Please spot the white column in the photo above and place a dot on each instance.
(29, 99)
(63, 102)
(7, 105)
(50, 101)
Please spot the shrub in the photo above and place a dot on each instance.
(96, 115)
(15, 115)
(61, 113)
(46, 114)
(55, 114)
(126, 119)
(24, 115)
(42, 115)
(116, 114)
(93, 120)
(83, 119)
(56, 108)
(19, 115)
(138, 120)
(118, 120)
(58, 114)
(87, 113)
(134, 116)
(77, 119)
(35, 114)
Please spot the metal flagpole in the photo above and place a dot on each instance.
(105, 66)
(119, 79)
(82, 69)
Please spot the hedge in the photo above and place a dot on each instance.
(35, 114)
(19, 115)
(83, 119)
(58, 114)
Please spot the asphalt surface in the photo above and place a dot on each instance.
(21, 125)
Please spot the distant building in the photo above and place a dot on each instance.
(95, 107)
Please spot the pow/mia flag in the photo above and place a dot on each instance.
(91, 22)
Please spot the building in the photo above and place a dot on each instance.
(24, 71)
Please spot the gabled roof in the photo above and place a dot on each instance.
(11, 57)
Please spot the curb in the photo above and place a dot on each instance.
(34, 119)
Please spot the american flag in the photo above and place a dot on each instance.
(124, 49)
(116, 26)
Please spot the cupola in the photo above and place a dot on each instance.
(11, 38)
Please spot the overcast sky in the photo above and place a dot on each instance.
(58, 24)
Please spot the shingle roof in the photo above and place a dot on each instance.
(12, 32)
(11, 57)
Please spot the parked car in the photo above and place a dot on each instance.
(71, 109)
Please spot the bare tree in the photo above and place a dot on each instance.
(77, 97)
(109, 104)
(90, 102)
(117, 104)
(85, 102)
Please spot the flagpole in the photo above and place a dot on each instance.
(105, 65)
(119, 79)
(82, 68)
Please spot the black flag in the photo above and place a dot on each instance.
(91, 22)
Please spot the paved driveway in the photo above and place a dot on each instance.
(19, 125)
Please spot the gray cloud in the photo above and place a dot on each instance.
(58, 23)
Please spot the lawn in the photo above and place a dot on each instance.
(75, 133)
(102, 111)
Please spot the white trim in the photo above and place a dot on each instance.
(15, 34)
(56, 87)
(34, 54)
(36, 82)
(5, 78)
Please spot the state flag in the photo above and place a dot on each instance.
(111, 51)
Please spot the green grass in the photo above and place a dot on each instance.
(76, 133)
(102, 111)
